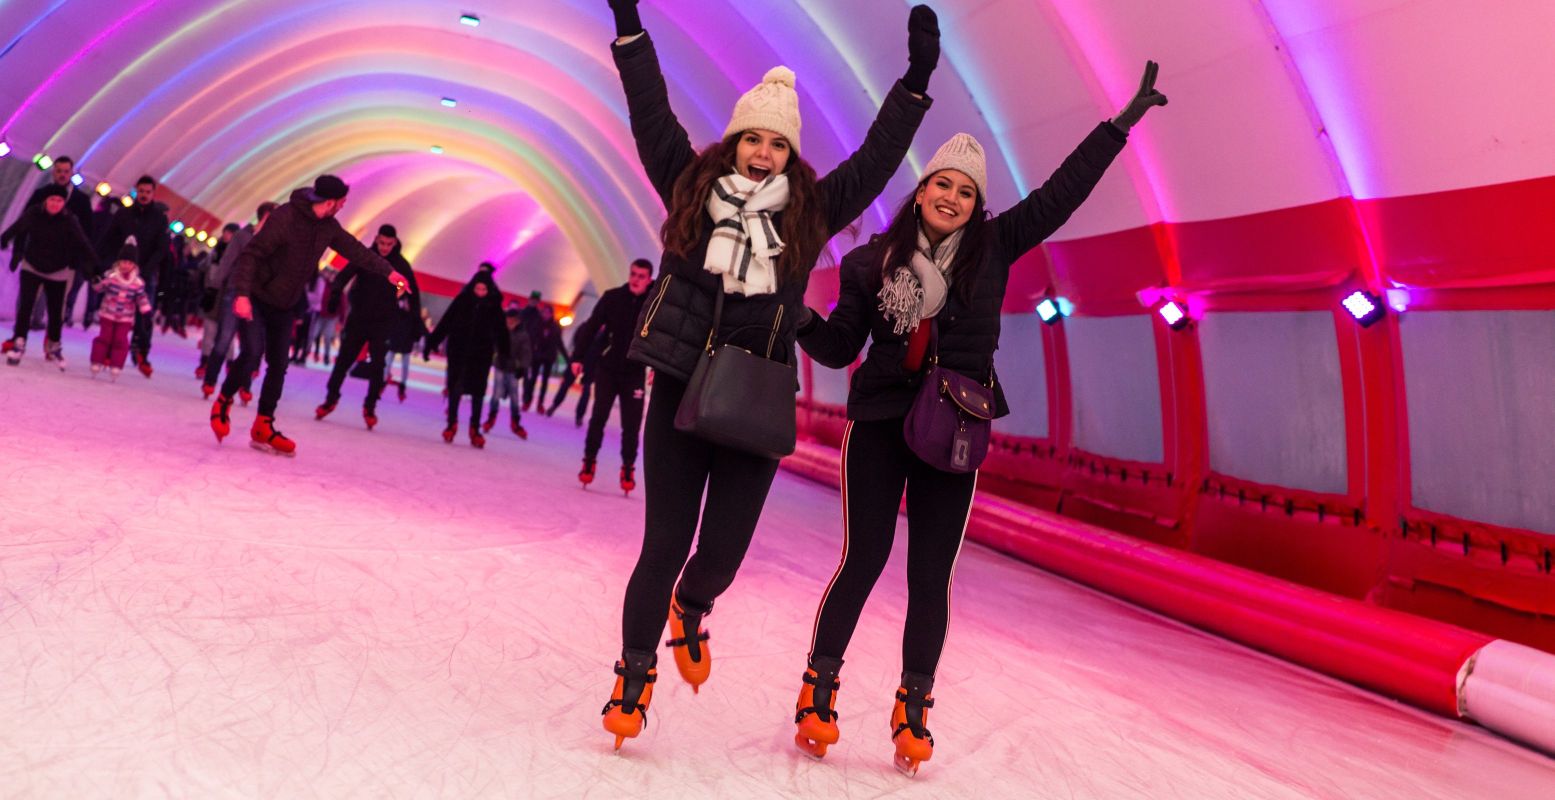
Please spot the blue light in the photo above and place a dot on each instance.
(1048, 310)
(449, 102)
(470, 20)
(177, 226)
(77, 180)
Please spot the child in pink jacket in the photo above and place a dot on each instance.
(123, 294)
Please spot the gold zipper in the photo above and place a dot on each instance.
(657, 301)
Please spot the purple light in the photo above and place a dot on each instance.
(1174, 315)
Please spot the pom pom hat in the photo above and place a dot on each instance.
(771, 105)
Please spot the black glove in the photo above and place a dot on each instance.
(1145, 99)
(627, 21)
(922, 48)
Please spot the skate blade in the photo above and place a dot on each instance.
(810, 747)
(619, 741)
(907, 766)
(267, 449)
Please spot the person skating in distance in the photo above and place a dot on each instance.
(614, 319)
(270, 280)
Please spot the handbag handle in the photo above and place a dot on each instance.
(718, 313)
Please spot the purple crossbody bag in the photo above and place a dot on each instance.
(951, 419)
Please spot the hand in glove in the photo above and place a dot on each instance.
(628, 23)
(1143, 101)
(922, 48)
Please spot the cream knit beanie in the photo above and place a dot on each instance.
(962, 153)
(772, 105)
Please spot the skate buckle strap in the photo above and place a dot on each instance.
(825, 689)
(686, 641)
(914, 721)
(621, 670)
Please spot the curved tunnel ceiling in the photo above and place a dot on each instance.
(1275, 104)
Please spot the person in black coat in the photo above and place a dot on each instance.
(614, 319)
(584, 379)
(375, 314)
(146, 220)
(773, 216)
(942, 265)
(477, 335)
(545, 335)
(79, 204)
(50, 247)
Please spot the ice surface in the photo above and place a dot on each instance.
(391, 616)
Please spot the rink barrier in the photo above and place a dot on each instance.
(1457, 673)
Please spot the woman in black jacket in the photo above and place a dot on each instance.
(477, 335)
(56, 247)
(772, 216)
(943, 263)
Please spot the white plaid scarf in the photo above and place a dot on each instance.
(745, 242)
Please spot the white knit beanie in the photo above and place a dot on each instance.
(771, 105)
(962, 153)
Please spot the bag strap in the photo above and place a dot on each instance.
(718, 315)
(933, 357)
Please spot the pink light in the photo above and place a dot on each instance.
(1174, 315)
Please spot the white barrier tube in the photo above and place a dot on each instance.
(1510, 689)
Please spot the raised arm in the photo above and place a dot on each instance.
(857, 181)
(1046, 210)
(837, 340)
(662, 143)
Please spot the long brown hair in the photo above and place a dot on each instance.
(804, 227)
(901, 240)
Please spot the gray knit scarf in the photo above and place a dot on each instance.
(919, 293)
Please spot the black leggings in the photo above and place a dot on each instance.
(53, 301)
(677, 467)
(876, 466)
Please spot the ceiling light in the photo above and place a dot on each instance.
(470, 20)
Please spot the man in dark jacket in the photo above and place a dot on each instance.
(270, 277)
(616, 376)
(146, 220)
(375, 311)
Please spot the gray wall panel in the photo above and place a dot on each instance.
(1275, 398)
(1481, 396)
(1117, 389)
(1022, 366)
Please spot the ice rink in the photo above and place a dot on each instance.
(391, 616)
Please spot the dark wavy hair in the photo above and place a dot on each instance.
(804, 226)
(901, 236)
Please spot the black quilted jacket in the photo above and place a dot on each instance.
(676, 319)
(968, 328)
